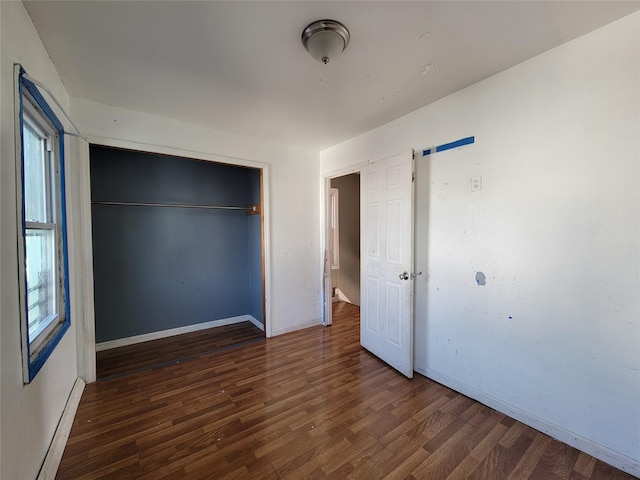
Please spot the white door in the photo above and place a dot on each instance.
(386, 312)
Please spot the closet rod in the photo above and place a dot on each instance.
(133, 204)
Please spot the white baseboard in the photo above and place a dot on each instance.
(293, 328)
(60, 437)
(122, 342)
(583, 444)
(255, 322)
(341, 296)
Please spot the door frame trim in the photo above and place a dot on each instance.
(325, 179)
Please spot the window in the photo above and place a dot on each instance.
(42, 244)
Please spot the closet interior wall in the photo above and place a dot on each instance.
(161, 267)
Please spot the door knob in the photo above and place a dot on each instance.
(404, 276)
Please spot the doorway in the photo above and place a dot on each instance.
(345, 268)
(343, 241)
(386, 257)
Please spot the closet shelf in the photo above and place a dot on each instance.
(251, 209)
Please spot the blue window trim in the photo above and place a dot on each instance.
(37, 363)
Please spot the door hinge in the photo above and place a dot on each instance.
(413, 177)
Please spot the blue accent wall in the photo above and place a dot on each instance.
(157, 268)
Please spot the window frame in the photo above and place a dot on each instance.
(34, 111)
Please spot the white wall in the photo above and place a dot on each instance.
(29, 413)
(295, 300)
(554, 336)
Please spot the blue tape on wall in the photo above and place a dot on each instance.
(449, 146)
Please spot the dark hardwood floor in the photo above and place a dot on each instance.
(142, 356)
(309, 404)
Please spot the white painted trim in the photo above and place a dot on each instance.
(266, 225)
(176, 152)
(583, 444)
(123, 342)
(325, 187)
(348, 170)
(60, 437)
(300, 326)
(87, 337)
(255, 321)
(341, 296)
(326, 280)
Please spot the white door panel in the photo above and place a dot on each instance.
(387, 258)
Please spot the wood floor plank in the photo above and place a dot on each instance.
(585, 465)
(309, 404)
(530, 459)
(121, 360)
(447, 456)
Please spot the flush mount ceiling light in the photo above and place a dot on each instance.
(325, 39)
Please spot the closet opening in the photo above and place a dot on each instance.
(178, 258)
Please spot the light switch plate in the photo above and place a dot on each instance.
(476, 183)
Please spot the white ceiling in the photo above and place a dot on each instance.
(239, 66)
